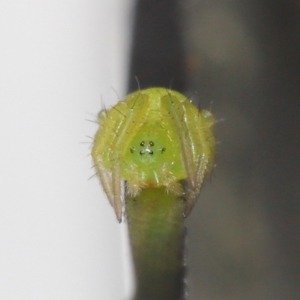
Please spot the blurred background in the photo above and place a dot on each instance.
(241, 60)
(61, 60)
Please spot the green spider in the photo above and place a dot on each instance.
(154, 137)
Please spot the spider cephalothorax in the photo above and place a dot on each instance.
(155, 137)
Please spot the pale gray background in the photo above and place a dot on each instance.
(59, 60)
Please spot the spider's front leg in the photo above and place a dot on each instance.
(201, 139)
(194, 130)
(117, 125)
(194, 186)
(116, 183)
(112, 185)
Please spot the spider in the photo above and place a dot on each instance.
(154, 137)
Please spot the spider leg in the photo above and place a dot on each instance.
(176, 111)
(105, 179)
(206, 142)
(116, 191)
(117, 124)
(111, 183)
(172, 186)
(192, 128)
(193, 191)
(175, 188)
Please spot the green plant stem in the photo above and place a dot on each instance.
(156, 231)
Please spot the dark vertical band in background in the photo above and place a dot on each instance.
(157, 56)
(257, 90)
